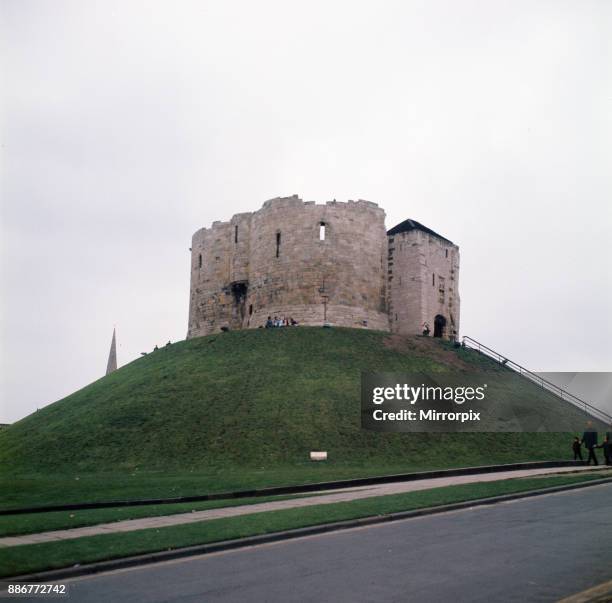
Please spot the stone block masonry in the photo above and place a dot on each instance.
(319, 263)
(423, 277)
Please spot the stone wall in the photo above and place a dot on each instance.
(423, 278)
(273, 263)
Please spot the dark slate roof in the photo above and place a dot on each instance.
(408, 225)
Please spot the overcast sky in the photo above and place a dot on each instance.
(126, 126)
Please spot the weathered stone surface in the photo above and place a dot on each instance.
(423, 283)
(273, 262)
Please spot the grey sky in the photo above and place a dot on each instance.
(126, 126)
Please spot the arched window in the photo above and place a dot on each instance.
(322, 231)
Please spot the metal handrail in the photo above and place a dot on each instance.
(469, 342)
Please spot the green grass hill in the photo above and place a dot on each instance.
(258, 398)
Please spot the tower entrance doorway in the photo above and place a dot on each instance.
(439, 325)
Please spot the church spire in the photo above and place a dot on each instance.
(112, 356)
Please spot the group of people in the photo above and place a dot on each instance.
(591, 444)
(280, 322)
(156, 348)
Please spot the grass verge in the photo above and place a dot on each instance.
(38, 557)
(33, 490)
(32, 523)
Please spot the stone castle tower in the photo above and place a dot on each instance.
(333, 263)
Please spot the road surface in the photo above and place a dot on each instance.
(535, 549)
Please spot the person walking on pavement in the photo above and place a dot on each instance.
(607, 450)
(577, 448)
(589, 439)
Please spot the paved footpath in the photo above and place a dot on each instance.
(532, 549)
(343, 495)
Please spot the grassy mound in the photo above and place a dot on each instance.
(260, 398)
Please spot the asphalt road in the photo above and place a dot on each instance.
(537, 549)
